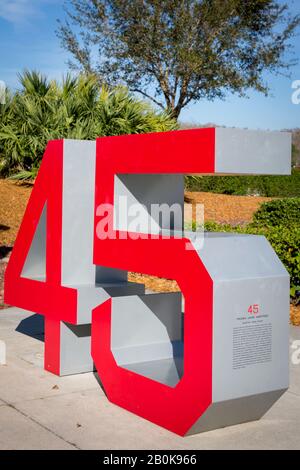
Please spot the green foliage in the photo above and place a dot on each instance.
(269, 186)
(286, 242)
(284, 212)
(295, 151)
(282, 231)
(179, 51)
(79, 109)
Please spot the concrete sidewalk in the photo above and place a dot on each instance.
(41, 411)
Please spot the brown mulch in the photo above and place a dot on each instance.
(157, 284)
(220, 208)
(13, 200)
(295, 315)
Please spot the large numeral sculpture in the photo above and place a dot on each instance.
(225, 359)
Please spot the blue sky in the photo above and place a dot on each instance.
(28, 40)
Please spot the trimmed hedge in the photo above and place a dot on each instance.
(278, 212)
(269, 186)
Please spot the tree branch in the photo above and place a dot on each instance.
(137, 90)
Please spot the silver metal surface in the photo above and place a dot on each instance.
(35, 264)
(231, 412)
(241, 151)
(147, 335)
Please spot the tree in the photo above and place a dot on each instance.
(177, 51)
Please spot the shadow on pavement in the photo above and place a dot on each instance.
(32, 326)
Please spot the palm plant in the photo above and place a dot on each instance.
(78, 108)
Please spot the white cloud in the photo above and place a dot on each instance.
(17, 11)
(21, 11)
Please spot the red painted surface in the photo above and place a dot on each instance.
(47, 297)
(175, 408)
(52, 345)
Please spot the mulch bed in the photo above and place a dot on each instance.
(13, 201)
(221, 208)
(234, 210)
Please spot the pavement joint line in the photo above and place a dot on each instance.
(10, 405)
(293, 393)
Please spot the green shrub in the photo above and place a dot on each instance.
(269, 186)
(286, 243)
(78, 109)
(278, 212)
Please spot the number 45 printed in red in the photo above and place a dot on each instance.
(253, 309)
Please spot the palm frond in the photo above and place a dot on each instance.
(78, 108)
